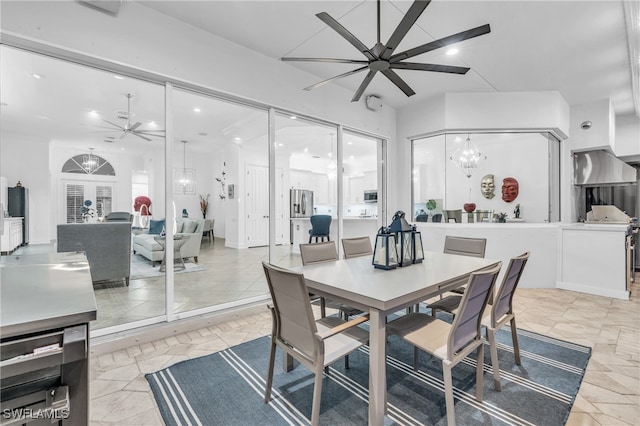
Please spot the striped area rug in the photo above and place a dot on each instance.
(227, 388)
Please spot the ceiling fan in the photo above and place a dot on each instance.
(381, 57)
(131, 128)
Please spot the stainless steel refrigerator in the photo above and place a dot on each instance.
(18, 206)
(301, 203)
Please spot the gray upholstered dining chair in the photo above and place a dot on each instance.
(451, 343)
(498, 313)
(325, 252)
(356, 247)
(315, 344)
(318, 252)
(464, 246)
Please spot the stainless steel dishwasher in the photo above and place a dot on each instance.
(46, 303)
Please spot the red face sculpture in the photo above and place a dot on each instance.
(142, 201)
(509, 189)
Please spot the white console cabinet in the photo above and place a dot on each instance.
(12, 234)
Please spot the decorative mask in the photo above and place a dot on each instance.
(487, 186)
(509, 189)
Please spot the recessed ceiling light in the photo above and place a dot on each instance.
(37, 76)
(118, 77)
(452, 51)
(153, 123)
(196, 109)
(237, 139)
(293, 117)
(349, 143)
(330, 154)
(351, 157)
(306, 150)
(280, 144)
(93, 112)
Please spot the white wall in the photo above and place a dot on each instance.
(22, 159)
(601, 135)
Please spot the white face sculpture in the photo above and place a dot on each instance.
(487, 186)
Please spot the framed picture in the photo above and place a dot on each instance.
(184, 181)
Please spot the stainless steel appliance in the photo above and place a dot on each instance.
(18, 206)
(301, 203)
(371, 196)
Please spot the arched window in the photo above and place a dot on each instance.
(88, 164)
(79, 191)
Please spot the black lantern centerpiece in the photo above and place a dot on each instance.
(408, 240)
(385, 252)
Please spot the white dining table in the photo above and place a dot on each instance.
(380, 292)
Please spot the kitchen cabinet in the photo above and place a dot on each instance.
(12, 234)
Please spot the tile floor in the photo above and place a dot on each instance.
(609, 395)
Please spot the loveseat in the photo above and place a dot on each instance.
(145, 245)
(107, 247)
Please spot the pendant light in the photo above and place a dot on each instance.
(467, 157)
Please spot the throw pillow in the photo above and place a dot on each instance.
(156, 226)
(189, 226)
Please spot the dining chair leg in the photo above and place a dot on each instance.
(480, 372)
(514, 337)
(272, 358)
(448, 393)
(491, 337)
(317, 392)
(323, 307)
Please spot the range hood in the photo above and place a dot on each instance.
(591, 168)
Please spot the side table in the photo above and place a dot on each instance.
(178, 242)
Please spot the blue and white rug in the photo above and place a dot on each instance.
(227, 388)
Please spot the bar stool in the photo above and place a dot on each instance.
(320, 227)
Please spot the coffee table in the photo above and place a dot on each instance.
(178, 242)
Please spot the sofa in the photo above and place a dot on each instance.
(145, 245)
(106, 245)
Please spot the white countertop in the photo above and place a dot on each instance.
(335, 218)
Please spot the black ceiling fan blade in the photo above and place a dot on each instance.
(331, 60)
(437, 44)
(346, 74)
(363, 86)
(404, 26)
(429, 67)
(395, 79)
(337, 27)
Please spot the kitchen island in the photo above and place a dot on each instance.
(573, 256)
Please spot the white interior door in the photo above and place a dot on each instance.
(282, 210)
(257, 205)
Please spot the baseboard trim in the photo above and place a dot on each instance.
(126, 339)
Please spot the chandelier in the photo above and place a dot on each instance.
(184, 178)
(467, 157)
(90, 162)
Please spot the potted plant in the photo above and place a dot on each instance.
(501, 217)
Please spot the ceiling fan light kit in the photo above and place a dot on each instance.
(381, 58)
